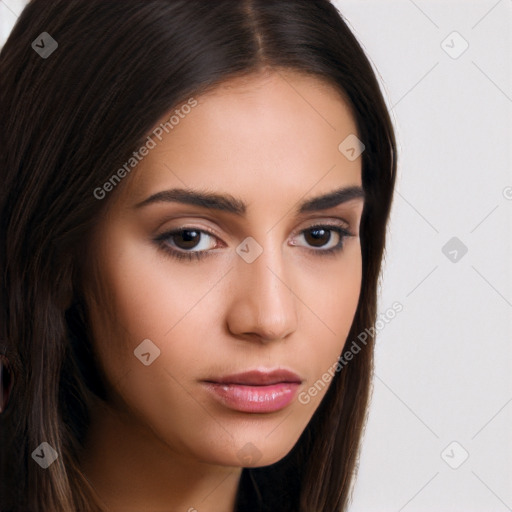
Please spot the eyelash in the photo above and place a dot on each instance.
(160, 240)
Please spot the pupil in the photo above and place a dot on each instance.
(188, 236)
(317, 235)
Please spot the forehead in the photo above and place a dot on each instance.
(278, 130)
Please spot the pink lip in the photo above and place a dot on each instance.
(255, 391)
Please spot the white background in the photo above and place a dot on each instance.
(443, 365)
(443, 385)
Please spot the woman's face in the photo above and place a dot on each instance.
(248, 284)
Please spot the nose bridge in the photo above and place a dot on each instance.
(264, 303)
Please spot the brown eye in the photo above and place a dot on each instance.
(320, 241)
(186, 238)
(317, 237)
(187, 242)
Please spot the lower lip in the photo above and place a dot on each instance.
(254, 399)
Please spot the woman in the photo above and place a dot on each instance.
(193, 216)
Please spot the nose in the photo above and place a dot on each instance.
(263, 304)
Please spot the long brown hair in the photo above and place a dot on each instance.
(68, 121)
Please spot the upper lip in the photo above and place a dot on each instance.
(258, 377)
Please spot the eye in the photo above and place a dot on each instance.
(178, 243)
(320, 237)
(193, 243)
(190, 238)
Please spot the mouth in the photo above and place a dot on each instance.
(256, 391)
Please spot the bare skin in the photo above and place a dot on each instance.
(163, 442)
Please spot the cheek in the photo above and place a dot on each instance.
(152, 298)
(332, 289)
(152, 341)
(151, 292)
(330, 313)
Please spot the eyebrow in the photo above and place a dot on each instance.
(230, 204)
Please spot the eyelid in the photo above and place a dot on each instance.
(342, 231)
(323, 221)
